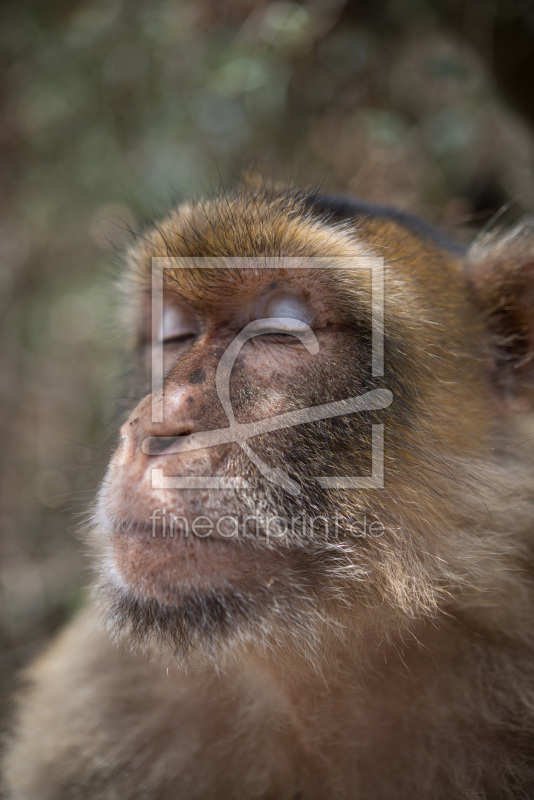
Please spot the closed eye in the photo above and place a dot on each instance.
(177, 325)
(179, 337)
(285, 328)
(279, 338)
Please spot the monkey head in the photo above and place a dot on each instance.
(229, 510)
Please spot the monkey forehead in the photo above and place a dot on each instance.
(260, 224)
(230, 284)
(246, 227)
(213, 256)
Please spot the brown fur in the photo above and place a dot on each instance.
(398, 666)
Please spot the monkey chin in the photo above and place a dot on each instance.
(184, 593)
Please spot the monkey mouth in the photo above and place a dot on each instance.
(167, 532)
(153, 564)
(184, 593)
(163, 567)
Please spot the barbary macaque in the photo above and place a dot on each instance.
(314, 541)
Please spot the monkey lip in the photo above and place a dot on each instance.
(152, 532)
(160, 567)
(168, 568)
(164, 567)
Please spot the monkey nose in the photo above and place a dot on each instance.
(140, 434)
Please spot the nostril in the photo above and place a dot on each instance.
(154, 445)
(158, 444)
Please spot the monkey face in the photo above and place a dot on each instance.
(254, 539)
(207, 539)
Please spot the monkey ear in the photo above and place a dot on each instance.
(500, 274)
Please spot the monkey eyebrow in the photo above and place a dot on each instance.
(239, 432)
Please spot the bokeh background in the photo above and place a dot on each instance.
(111, 110)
